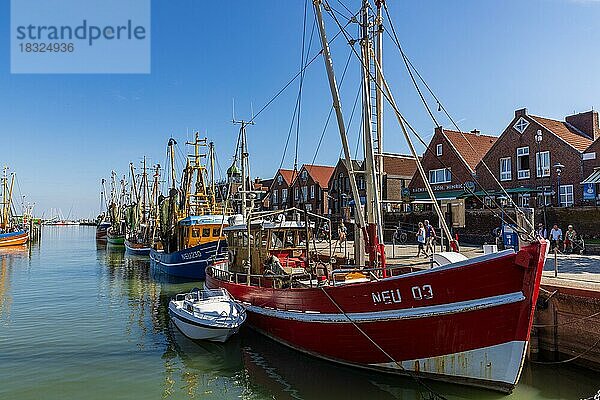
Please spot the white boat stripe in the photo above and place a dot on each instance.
(406, 313)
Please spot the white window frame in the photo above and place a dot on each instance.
(284, 193)
(441, 175)
(275, 197)
(523, 199)
(304, 193)
(438, 149)
(506, 173)
(279, 180)
(523, 173)
(566, 198)
(312, 191)
(542, 164)
(521, 125)
(297, 193)
(304, 175)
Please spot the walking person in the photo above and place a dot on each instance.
(421, 240)
(570, 237)
(429, 239)
(555, 237)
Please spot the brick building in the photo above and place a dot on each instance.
(279, 195)
(398, 170)
(549, 168)
(591, 173)
(339, 189)
(450, 161)
(310, 188)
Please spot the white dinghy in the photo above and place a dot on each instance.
(207, 314)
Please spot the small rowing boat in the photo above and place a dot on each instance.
(207, 314)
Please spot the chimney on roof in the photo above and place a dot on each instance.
(476, 132)
(521, 112)
(587, 122)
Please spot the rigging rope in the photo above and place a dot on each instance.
(410, 67)
(386, 96)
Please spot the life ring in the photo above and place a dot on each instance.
(277, 283)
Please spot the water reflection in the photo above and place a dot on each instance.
(8, 256)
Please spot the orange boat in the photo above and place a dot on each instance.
(14, 238)
(11, 232)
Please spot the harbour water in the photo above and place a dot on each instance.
(83, 320)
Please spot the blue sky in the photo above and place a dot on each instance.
(484, 59)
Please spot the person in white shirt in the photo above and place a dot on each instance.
(555, 237)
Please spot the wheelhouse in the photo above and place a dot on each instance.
(196, 230)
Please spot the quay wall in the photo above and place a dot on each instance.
(565, 326)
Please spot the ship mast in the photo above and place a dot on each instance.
(378, 33)
(338, 110)
(196, 203)
(245, 166)
(373, 205)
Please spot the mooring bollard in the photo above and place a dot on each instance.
(555, 264)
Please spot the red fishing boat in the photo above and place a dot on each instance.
(465, 320)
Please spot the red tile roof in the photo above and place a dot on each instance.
(287, 175)
(320, 173)
(399, 165)
(471, 146)
(565, 131)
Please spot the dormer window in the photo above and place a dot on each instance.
(521, 125)
(438, 149)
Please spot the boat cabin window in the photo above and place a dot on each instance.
(205, 232)
(302, 238)
(195, 232)
(216, 232)
(277, 239)
(282, 239)
(289, 239)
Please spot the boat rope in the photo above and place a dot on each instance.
(592, 347)
(362, 332)
(569, 322)
(313, 58)
(410, 66)
(301, 82)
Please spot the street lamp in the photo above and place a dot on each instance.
(538, 141)
(559, 167)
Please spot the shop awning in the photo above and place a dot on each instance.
(593, 178)
(445, 195)
(518, 190)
